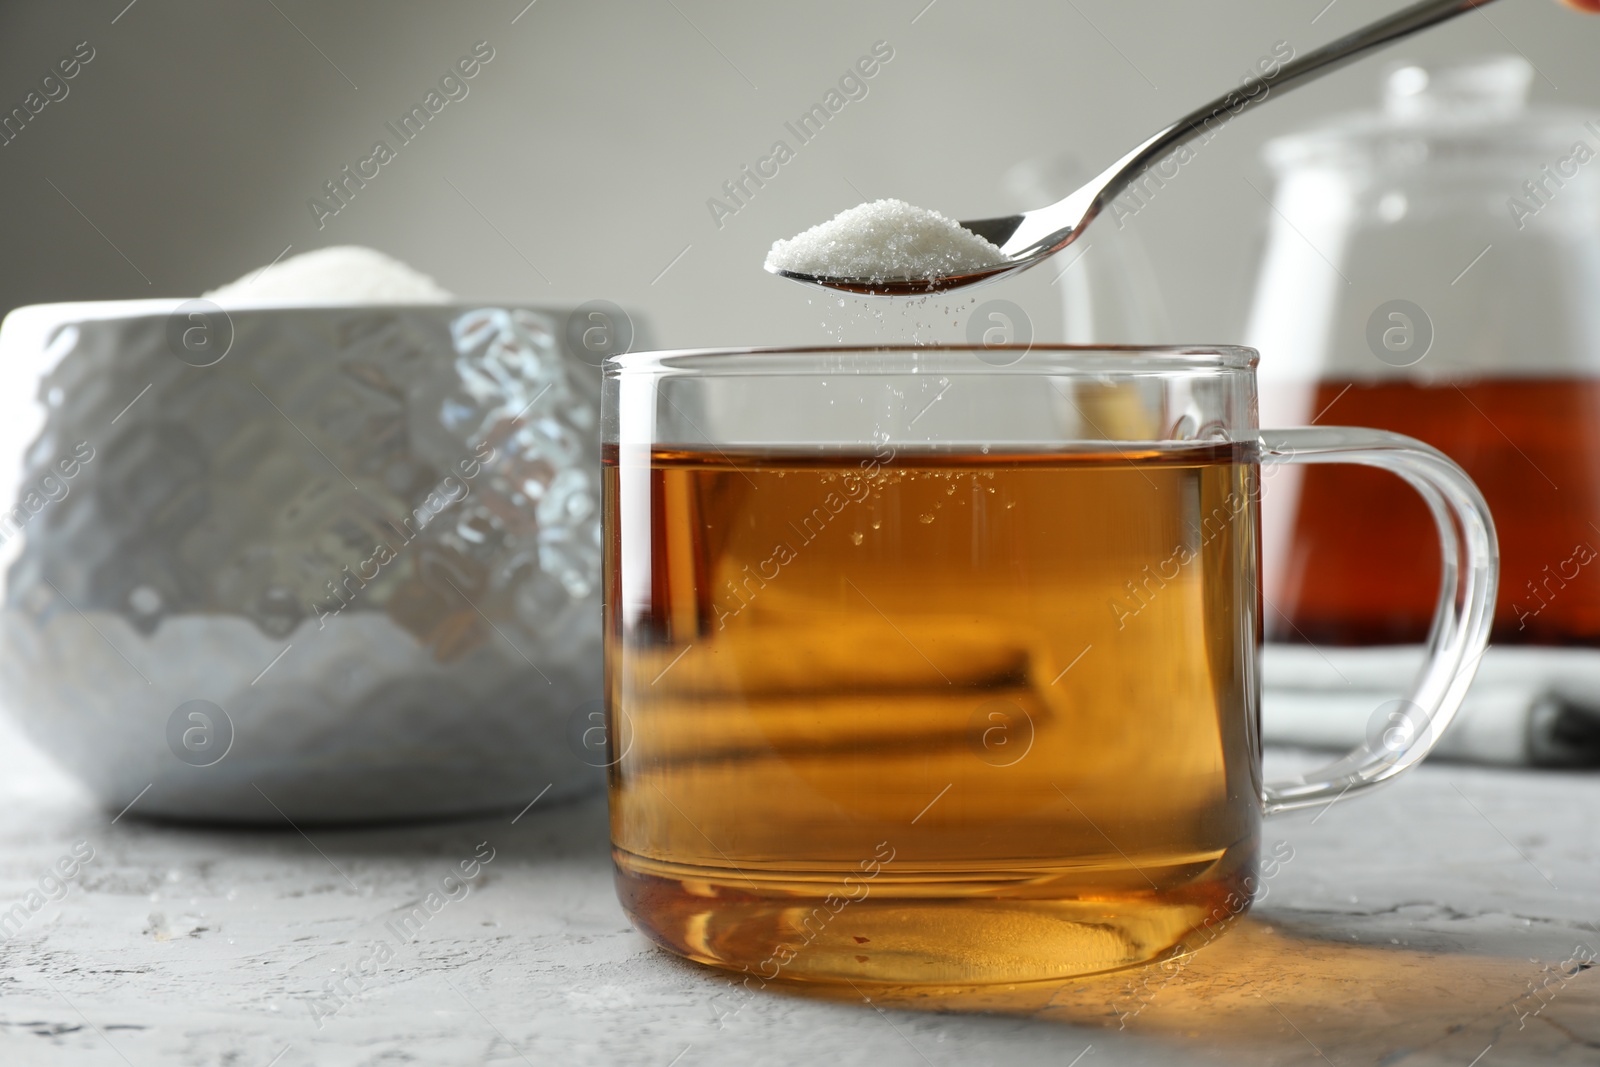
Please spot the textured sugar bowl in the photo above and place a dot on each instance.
(883, 240)
(364, 547)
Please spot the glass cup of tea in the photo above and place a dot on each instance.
(937, 665)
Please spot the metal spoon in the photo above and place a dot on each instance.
(1034, 236)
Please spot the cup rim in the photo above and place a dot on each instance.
(1116, 358)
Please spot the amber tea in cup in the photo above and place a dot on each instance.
(927, 670)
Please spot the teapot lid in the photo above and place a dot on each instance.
(1455, 110)
(1479, 92)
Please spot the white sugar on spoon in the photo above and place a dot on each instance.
(886, 239)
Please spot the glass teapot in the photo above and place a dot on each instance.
(1433, 268)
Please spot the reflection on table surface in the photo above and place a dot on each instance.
(1286, 989)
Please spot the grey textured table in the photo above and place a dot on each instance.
(1445, 920)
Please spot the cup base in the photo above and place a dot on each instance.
(904, 929)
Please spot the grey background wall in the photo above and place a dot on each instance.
(580, 163)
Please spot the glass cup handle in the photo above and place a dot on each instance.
(1461, 621)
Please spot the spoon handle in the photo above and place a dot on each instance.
(1309, 67)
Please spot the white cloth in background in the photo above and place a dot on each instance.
(1527, 706)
